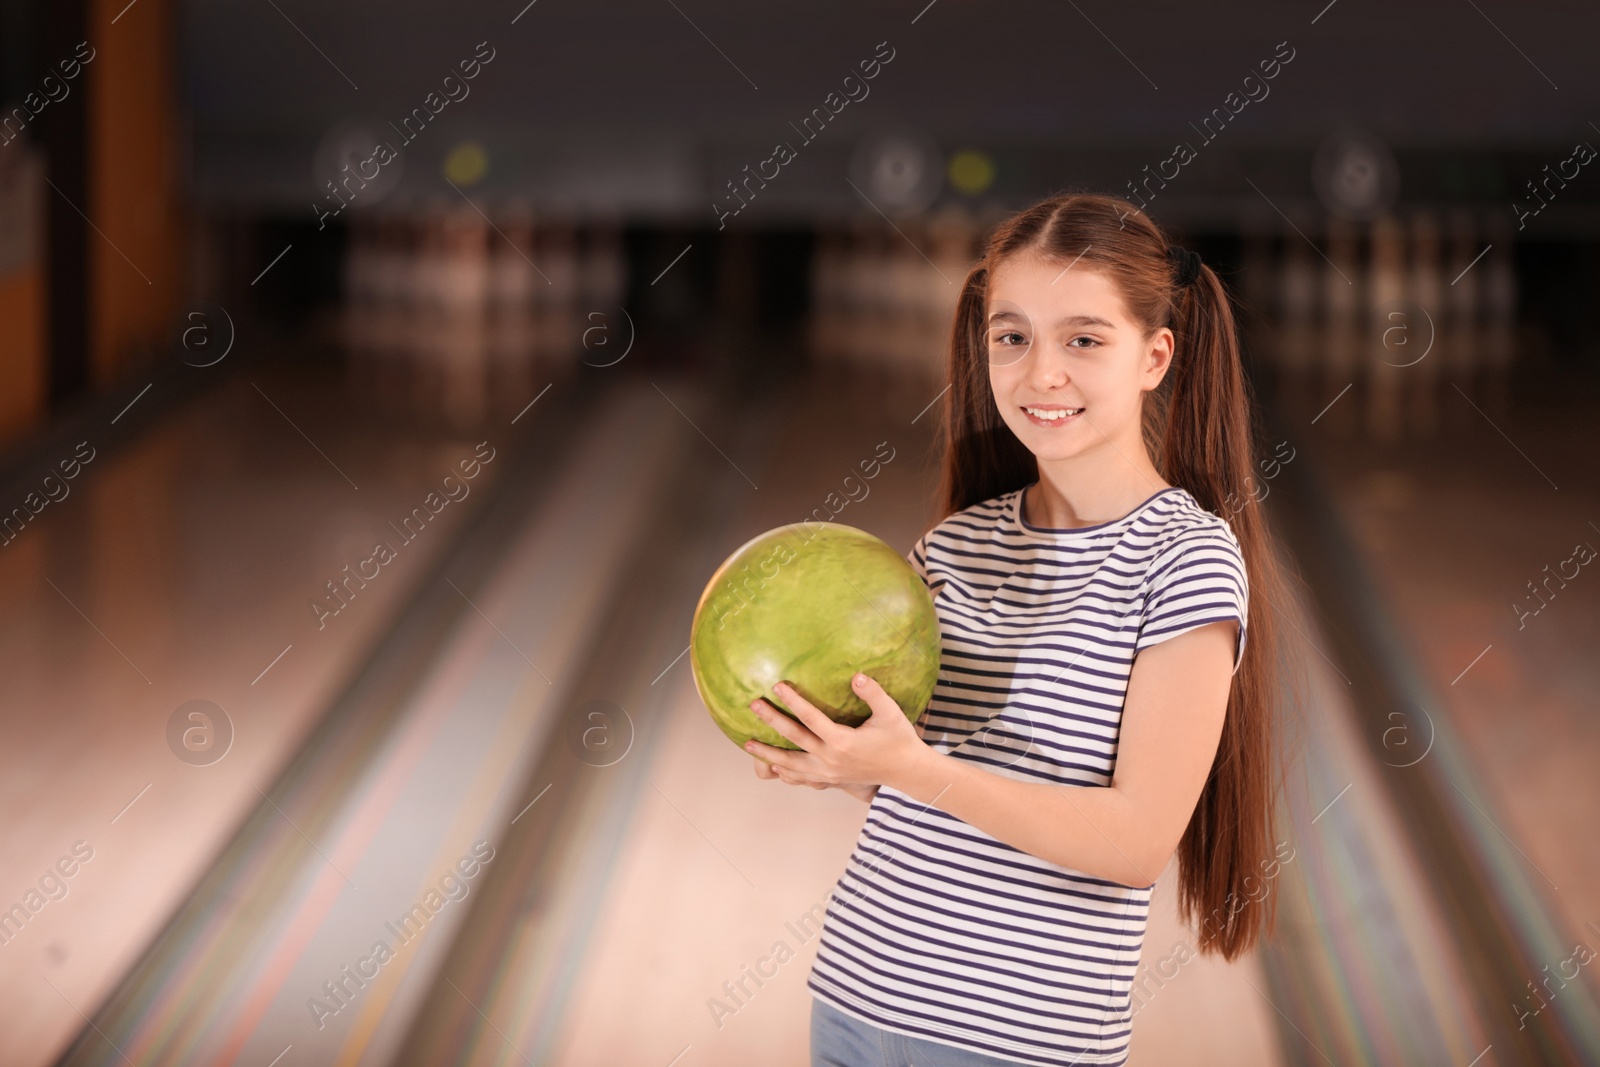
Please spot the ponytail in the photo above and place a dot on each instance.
(1207, 446)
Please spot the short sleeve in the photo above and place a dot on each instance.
(918, 558)
(1201, 578)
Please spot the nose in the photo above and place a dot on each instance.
(1047, 367)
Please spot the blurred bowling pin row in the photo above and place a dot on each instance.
(884, 297)
(450, 318)
(1404, 310)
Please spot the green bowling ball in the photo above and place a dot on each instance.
(810, 604)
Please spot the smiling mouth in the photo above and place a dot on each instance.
(1046, 416)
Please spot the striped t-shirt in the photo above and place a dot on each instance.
(937, 929)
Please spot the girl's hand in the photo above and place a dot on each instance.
(767, 771)
(835, 755)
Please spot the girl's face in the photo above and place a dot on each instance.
(1068, 367)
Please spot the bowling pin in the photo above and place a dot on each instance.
(858, 292)
(558, 339)
(882, 352)
(512, 284)
(1499, 294)
(391, 323)
(359, 298)
(1341, 311)
(953, 255)
(417, 314)
(1386, 311)
(463, 302)
(603, 275)
(1299, 284)
(908, 275)
(1464, 298)
(1426, 292)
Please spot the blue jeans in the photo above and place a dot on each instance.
(840, 1040)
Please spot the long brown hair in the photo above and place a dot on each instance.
(1199, 428)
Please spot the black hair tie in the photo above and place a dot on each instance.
(1187, 262)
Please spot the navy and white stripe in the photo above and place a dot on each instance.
(935, 928)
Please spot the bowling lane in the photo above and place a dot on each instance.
(180, 568)
(413, 768)
(1454, 432)
(1362, 966)
(1468, 532)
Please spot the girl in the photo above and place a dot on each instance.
(1098, 708)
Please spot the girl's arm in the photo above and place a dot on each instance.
(1126, 832)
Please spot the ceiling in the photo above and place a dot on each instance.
(655, 105)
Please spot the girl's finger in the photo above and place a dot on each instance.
(877, 698)
(779, 759)
(796, 778)
(820, 725)
(764, 769)
(791, 730)
(787, 760)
